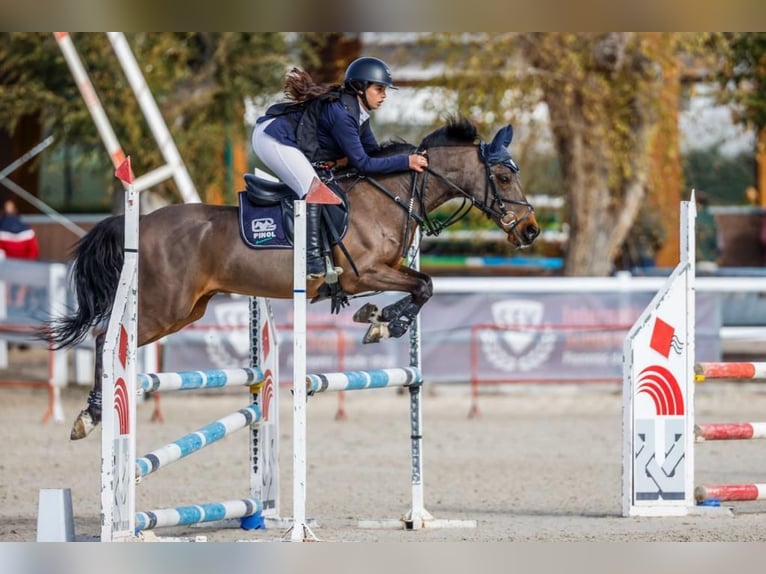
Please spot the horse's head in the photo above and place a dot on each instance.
(490, 179)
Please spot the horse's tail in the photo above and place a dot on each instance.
(95, 275)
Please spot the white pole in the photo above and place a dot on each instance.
(153, 117)
(91, 98)
(59, 368)
(182, 179)
(299, 530)
(23, 193)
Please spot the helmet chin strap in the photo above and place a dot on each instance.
(361, 92)
(363, 98)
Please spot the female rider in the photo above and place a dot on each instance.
(326, 125)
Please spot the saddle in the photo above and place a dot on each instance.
(266, 221)
(266, 215)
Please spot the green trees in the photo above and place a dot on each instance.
(612, 101)
(743, 76)
(200, 81)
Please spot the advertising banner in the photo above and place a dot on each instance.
(520, 338)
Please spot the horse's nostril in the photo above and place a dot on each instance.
(532, 232)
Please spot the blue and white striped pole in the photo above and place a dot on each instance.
(199, 513)
(197, 440)
(357, 380)
(192, 380)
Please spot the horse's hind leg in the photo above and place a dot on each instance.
(90, 416)
(148, 332)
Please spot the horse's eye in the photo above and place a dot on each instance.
(504, 179)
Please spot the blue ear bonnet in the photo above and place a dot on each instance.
(497, 151)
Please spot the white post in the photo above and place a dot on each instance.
(299, 530)
(118, 428)
(658, 393)
(59, 368)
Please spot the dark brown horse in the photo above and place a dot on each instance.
(190, 252)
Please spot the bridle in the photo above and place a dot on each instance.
(492, 205)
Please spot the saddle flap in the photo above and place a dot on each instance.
(264, 226)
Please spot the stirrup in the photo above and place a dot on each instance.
(331, 273)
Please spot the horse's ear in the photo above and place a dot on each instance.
(503, 138)
(497, 151)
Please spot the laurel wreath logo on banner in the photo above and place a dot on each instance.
(229, 344)
(525, 343)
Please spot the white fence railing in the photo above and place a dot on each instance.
(529, 315)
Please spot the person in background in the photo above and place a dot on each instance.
(646, 237)
(17, 239)
(327, 125)
(709, 241)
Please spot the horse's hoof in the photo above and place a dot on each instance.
(82, 426)
(376, 333)
(369, 313)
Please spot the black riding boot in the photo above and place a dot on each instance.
(315, 267)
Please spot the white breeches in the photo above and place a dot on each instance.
(288, 163)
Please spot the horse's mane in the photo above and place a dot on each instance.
(394, 147)
(458, 131)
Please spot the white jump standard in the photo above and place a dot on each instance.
(659, 433)
(658, 394)
(120, 469)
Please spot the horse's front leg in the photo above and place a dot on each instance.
(91, 416)
(394, 320)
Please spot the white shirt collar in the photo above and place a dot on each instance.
(364, 115)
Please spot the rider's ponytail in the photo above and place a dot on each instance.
(299, 87)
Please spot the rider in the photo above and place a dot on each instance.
(325, 125)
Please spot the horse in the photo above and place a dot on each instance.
(190, 252)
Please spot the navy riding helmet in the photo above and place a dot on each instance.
(365, 71)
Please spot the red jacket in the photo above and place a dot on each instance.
(17, 239)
